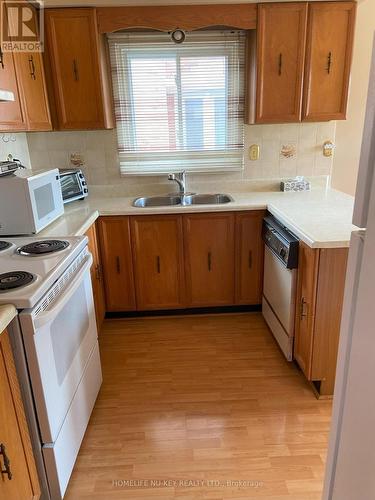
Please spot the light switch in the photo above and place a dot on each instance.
(254, 152)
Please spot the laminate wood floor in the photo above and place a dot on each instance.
(194, 405)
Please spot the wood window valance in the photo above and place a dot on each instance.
(170, 17)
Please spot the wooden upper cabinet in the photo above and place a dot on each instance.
(280, 61)
(117, 262)
(158, 262)
(328, 60)
(249, 257)
(78, 76)
(209, 259)
(33, 92)
(32, 86)
(11, 114)
(15, 442)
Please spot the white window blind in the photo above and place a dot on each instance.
(179, 107)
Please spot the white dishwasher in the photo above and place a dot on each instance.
(280, 282)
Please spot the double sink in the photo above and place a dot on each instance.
(185, 200)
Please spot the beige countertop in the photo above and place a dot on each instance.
(321, 218)
(7, 313)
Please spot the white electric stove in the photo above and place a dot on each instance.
(29, 266)
(55, 344)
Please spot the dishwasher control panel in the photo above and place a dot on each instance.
(282, 242)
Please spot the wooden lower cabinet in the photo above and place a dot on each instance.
(320, 295)
(97, 278)
(158, 262)
(117, 262)
(15, 442)
(305, 310)
(155, 262)
(209, 259)
(249, 257)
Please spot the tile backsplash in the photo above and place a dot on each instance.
(16, 145)
(302, 145)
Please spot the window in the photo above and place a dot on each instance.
(179, 106)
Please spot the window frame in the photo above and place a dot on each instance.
(234, 78)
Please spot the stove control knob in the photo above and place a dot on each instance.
(283, 253)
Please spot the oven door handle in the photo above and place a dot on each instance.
(46, 316)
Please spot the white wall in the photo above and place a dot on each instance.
(349, 132)
(16, 145)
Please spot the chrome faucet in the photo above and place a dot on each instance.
(180, 178)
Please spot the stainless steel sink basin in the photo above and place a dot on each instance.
(157, 201)
(207, 199)
(187, 200)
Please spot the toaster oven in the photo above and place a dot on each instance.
(73, 184)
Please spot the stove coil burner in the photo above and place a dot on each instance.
(15, 279)
(4, 245)
(43, 247)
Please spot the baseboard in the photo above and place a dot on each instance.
(184, 312)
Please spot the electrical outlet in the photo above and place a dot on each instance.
(254, 152)
(328, 148)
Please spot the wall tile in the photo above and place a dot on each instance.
(101, 163)
(289, 132)
(288, 167)
(16, 145)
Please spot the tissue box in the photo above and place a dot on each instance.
(296, 184)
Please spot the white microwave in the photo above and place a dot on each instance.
(29, 201)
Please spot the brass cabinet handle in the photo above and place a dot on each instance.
(32, 67)
(6, 471)
(304, 308)
(209, 261)
(1, 58)
(280, 64)
(158, 264)
(118, 265)
(329, 62)
(250, 259)
(75, 70)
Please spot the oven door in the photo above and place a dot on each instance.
(45, 198)
(59, 336)
(72, 186)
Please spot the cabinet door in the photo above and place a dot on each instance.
(11, 115)
(117, 263)
(328, 60)
(14, 434)
(305, 310)
(32, 85)
(249, 257)
(73, 49)
(209, 259)
(96, 276)
(30, 74)
(158, 262)
(329, 304)
(280, 60)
